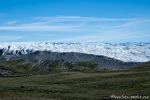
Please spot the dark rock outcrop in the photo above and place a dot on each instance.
(5, 72)
(1, 51)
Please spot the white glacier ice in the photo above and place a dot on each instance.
(139, 52)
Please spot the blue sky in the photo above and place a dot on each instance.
(75, 21)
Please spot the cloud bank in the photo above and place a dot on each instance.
(10, 38)
(90, 28)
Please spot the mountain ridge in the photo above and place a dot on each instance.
(53, 62)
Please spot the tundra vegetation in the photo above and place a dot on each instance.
(55, 80)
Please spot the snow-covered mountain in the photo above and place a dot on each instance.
(139, 52)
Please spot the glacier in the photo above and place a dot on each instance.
(136, 52)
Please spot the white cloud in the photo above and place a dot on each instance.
(101, 29)
(10, 38)
(41, 28)
(2, 14)
(46, 35)
(100, 38)
(65, 23)
(132, 23)
(78, 18)
(10, 22)
(71, 23)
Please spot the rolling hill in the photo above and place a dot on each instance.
(50, 62)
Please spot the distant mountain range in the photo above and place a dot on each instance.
(128, 52)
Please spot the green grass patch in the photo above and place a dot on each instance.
(76, 85)
(85, 85)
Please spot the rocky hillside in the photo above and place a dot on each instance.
(49, 62)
